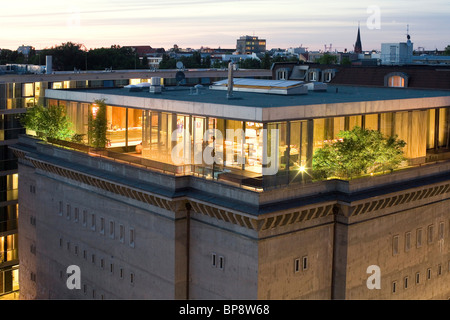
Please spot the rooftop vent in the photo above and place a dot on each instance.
(155, 85)
(281, 87)
(317, 86)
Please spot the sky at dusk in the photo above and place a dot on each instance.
(214, 23)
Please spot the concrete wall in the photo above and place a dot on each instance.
(63, 241)
(371, 243)
(339, 238)
(278, 276)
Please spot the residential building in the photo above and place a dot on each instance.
(397, 53)
(173, 209)
(250, 44)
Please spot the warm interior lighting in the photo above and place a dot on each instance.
(94, 110)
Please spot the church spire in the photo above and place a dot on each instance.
(358, 45)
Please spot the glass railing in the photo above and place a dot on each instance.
(227, 175)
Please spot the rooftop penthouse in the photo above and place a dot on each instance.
(251, 132)
(225, 225)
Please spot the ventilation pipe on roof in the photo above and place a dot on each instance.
(230, 80)
(48, 64)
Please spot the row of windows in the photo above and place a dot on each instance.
(217, 261)
(301, 264)
(93, 258)
(84, 216)
(418, 278)
(419, 238)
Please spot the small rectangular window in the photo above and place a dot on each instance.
(394, 286)
(405, 282)
(60, 208)
(84, 218)
(93, 258)
(439, 270)
(296, 265)
(121, 273)
(121, 233)
(417, 278)
(76, 215)
(132, 278)
(93, 222)
(395, 245)
(111, 229)
(430, 233)
(304, 263)
(132, 238)
(221, 262)
(419, 237)
(68, 213)
(407, 241)
(102, 263)
(429, 273)
(441, 231)
(213, 259)
(111, 268)
(102, 225)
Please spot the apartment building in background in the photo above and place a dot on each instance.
(250, 44)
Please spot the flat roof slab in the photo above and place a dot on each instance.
(336, 101)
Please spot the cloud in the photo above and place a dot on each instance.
(193, 23)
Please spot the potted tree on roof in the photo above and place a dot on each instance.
(98, 125)
(49, 123)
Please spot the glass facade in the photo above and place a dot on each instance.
(183, 139)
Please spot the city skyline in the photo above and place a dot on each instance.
(284, 24)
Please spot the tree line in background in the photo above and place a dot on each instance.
(70, 56)
(74, 56)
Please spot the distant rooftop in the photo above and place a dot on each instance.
(250, 106)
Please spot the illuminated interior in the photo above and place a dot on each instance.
(241, 145)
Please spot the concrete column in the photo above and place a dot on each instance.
(181, 251)
(340, 247)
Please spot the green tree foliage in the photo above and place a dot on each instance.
(189, 61)
(250, 64)
(48, 122)
(266, 61)
(447, 50)
(327, 59)
(65, 57)
(98, 124)
(358, 151)
(116, 57)
(69, 56)
(10, 56)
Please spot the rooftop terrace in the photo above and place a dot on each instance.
(337, 100)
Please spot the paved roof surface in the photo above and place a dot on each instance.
(334, 94)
